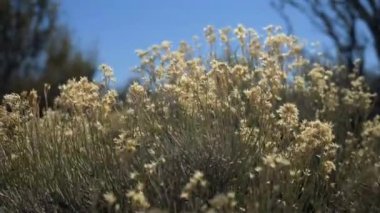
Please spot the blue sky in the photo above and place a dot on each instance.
(116, 28)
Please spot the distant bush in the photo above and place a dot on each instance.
(254, 129)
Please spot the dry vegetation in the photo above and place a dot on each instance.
(257, 128)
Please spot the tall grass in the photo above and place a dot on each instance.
(257, 128)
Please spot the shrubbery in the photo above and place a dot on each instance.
(255, 129)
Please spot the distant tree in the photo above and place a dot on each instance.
(350, 24)
(35, 49)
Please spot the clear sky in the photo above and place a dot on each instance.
(116, 28)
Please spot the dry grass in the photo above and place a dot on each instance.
(255, 129)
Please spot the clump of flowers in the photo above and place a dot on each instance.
(109, 100)
(196, 180)
(83, 95)
(110, 198)
(315, 137)
(137, 197)
(79, 95)
(12, 101)
(125, 143)
(222, 202)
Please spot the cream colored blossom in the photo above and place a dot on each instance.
(240, 33)
(125, 143)
(274, 160)
(210, 34)
(224, 34)
(109, 101)
(106, 70)
(110, 198)
(196, 180)
(329, 166)
(138, 198)
(221, 201)
(13, 101)
(316, 132)
(288, 115)
(166, 45)
(136, 92)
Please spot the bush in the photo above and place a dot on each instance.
(256, 129)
